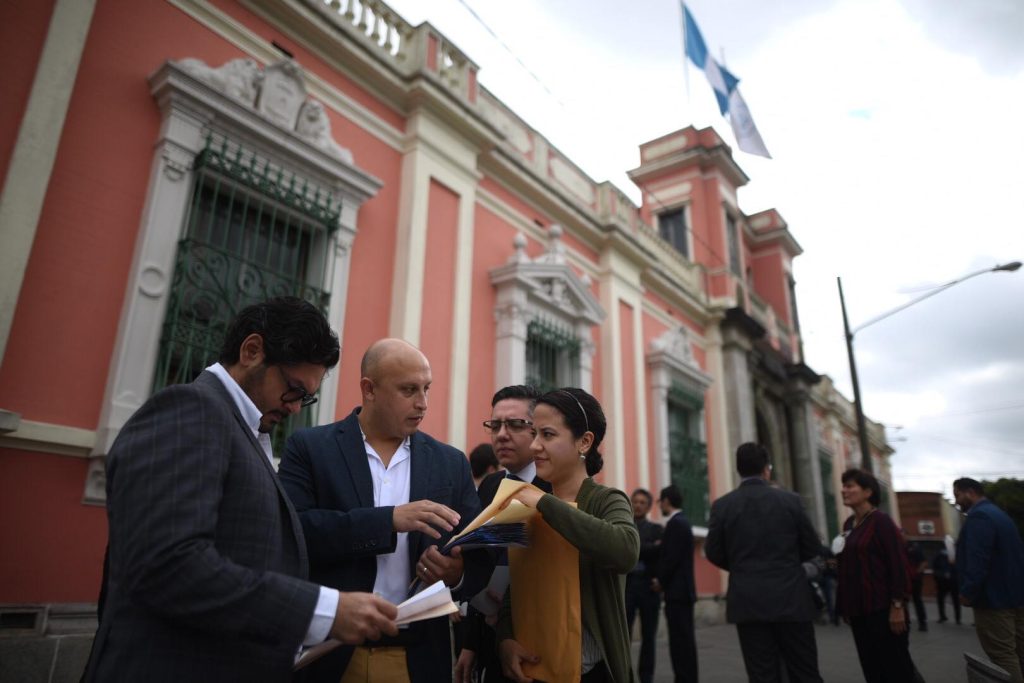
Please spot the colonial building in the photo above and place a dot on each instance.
(226, 151)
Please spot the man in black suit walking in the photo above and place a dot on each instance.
(761, 535)
(511, 431)
(675, 574)
(642, 589)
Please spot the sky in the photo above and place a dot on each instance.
(898, 163)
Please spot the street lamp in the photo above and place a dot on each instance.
(862, 432)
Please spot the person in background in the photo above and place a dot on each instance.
(570, 426)
(944, 573)
(874, 582)
(675, 576)
(642, 588)
(482, 462)
(990, 564)
(917, 565)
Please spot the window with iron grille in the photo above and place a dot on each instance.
(672, 229)
(253, 232)
(688, 455)
(552, 356)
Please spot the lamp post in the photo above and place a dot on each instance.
(862, 432)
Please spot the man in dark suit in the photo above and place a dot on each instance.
(990, 564)
(642, 587)
(761, 536)
(207, 561)
(511, 430)
(675, 575)
(375, 495)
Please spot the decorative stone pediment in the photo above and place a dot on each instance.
(546, 289)
(549, 283)
(672, 353)
(278, 93)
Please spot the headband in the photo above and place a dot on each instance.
(585, 420)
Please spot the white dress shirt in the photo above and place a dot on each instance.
(327, 603)
(391, 488)
(527, 474)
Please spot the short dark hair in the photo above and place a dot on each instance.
(673, 495)
(865, 480)
(582, 413)
(751, 459)
(294, 331)
(481, 459)
(645, 493)
(525, 392)
(968, 484)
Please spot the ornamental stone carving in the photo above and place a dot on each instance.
(278, 92)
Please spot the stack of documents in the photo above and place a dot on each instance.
(490, 535)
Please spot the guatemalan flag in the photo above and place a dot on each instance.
(724, 85)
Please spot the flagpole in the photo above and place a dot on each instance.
(686, 61)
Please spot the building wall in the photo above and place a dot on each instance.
(461, 178)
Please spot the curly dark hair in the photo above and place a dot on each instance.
(294, 331)
(582, 413)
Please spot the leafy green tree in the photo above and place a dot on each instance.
(1009, 495)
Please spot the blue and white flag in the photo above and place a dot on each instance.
(725, 86)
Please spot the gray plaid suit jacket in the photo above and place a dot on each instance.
(205, 549)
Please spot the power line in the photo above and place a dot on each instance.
(501, 42)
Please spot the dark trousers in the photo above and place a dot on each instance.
(682, 642)
(768, 646)
(884, 656)
(640, 598)
(944, 587)
(915, 589)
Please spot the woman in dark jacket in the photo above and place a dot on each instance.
(874, 583)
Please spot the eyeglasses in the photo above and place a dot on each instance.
(514, 425)
(295, 393)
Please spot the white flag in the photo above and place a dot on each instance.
(747, 136)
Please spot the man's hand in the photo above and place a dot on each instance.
(464, 666)
(434, 566)
(897, 620)
(964, 601)
(512, 657)
(426, 516)
(655, 585)
(362, 617)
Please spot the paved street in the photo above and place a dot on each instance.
(938, 653)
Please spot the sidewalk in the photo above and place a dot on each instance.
(938, 652)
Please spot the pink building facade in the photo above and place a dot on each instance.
(163, 163)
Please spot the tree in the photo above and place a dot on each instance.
(1008, 494)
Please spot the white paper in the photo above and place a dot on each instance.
(484, 601)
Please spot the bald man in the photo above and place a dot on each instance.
(376, 496)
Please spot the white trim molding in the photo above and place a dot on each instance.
(670, 359)
(266, 110)
(528, 289)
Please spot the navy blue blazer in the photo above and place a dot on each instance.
(990, 558)
(326, 474)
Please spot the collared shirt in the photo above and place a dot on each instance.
(327, 602)
(527, 474)
(391, 488)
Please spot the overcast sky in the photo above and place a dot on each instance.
(895, 127)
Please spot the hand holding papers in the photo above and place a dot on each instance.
(502, 523)
(433, 601)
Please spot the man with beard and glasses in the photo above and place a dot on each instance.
(207, 563)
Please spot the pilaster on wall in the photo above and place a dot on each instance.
(35, 149)
(722, 480)
(434, 151)
(620, 282)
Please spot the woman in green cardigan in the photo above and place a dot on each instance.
(570, 425)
